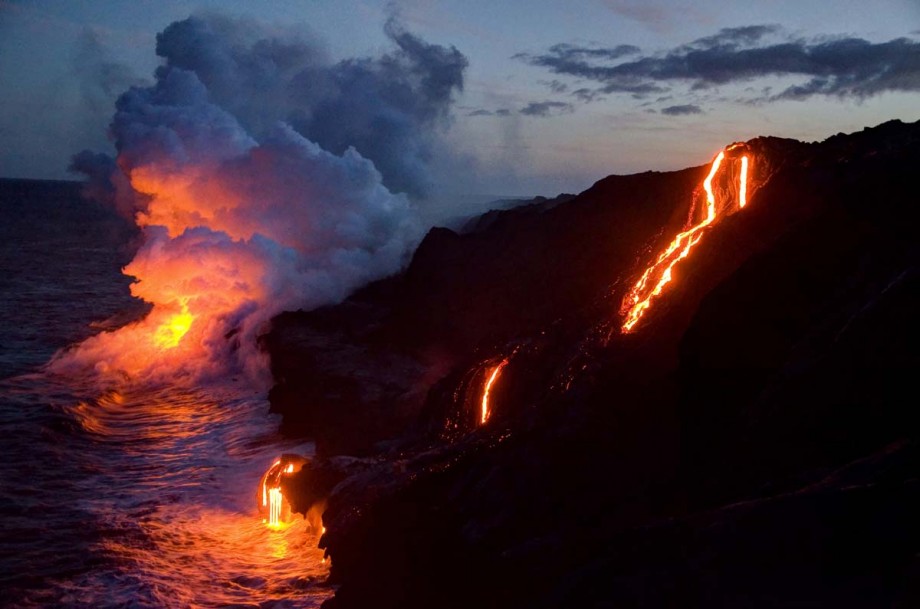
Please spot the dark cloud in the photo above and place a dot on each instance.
(546, 108)
(570, 52)
(570, 60)
(587, 94)
(842, 67)
(556, 86)
(734, 37)
(389, 108)
(682, 110)
(483, 112)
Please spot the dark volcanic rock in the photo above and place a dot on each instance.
(355, 374)
(751, 444)
(849, 540)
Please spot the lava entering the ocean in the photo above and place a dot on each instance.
(275, 509)
(493, 376)
(654, 279)
(173, 329)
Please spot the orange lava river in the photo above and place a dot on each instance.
(485, 412)
(719, 202)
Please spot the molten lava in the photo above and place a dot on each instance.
(742, 194)
(171, 332)
(654, 279)
(272, 504)
(493, 376)
(275, 499)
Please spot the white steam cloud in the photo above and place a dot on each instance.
(388, 108)
(259, 175)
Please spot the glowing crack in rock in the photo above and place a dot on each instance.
(654, 279)
(493, 376)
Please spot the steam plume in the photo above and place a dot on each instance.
(387, 108)
(243, 215)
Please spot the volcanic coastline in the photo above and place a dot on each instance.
(751, 442)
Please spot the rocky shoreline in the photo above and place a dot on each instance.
(752, 444)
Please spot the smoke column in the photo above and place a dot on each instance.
(264, 178)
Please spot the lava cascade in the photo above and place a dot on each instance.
(720, 196)
(272, 503)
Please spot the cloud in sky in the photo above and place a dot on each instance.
(546, 108)
(484, 112)
(540, 109)
(682, 110)
(841, 67)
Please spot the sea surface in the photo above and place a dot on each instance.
(131, 496)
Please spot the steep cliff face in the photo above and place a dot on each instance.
(737, 448)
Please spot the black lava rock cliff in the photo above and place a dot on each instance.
(752, 443)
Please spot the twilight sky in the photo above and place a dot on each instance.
(555, 94)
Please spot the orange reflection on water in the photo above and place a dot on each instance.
(182, 522)
(212, 557)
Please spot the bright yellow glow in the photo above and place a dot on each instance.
(742, 194)
(274, 511)
(484, 413)
(171, 332)
(640, 297)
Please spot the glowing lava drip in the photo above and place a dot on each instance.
(272, 504)
(485, 412)
(274, 511)
(640, 297)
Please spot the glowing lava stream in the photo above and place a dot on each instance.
(640, 298)
(274, 510)
(272, 498)
(484, 414)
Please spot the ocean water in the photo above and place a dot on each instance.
(132, 495)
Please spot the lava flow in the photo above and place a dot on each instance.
(493, 376)
(654, 279)
(272, 503)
